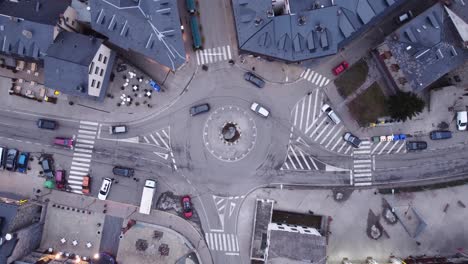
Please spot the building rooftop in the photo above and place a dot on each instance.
(300, 30)
(39, 11)
(75, 48)
(259, 246)
(428, 46)
(7, 215)
(149, 27)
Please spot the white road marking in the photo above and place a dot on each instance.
(86, 136)
(80, 164)
(89, 123)
(86, 132)
(85, 141)
(83, 146)
(88, 127)
(82, 150)
(79, 169)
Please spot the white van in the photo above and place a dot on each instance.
(462, 120)
(2, 157)
(147, 197)
(331, 114)
(120, 129)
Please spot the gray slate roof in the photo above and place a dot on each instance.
(428, 46)
(31, 33)
(149, 27)
(67, 64)
(299, 247)
(7, 214)
(306, 33)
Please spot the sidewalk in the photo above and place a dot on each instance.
(173, 85)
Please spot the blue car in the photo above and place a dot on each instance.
(22, 164)
(155, 86)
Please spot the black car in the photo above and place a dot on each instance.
(440, 134)
(123, 171)
(47, 167)
(254, 79)
(416, 145)
(46, 124)
(198, 109)
(12, 155)
(352, 139)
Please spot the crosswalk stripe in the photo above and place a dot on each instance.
(383, 148)
(361, 152)
(224, 53)
(86, 136)
(79, 169)
(362, 166)
(215, 238)
(229, 52)
(337, 142)
(88, 127)
(82, 155)
(402, 145)
(348, 149)
(363, 161)
(85, 141)
(312, 74)
(318, 126)
(363, 184)
(292, 163)
(89, 123)
(81, 159)
(207, 236)
(334, 136)
(326, 83)
(297, 159)
(305, 160)
(79, 187)
(322, 82)
(84, 146)
(393, 146)
(75, 177)
(328, 134)
(82, 150)
(315, 77)
(363, 179)
(361, 170)
(321, 132)
(80, 131)
(224, 241)
(154, 140)
(80, 164)
(228, 240)
(360, 175)
(305, 73)
(80, 173)
(376, 147)
(163, 141)
(77, 191)
(75, 182)
(165, 133)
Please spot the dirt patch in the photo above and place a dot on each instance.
(369, 105)
(350, 80)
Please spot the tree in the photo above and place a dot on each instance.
(404, 105)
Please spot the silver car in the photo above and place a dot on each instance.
(105, 188)
(260, 110)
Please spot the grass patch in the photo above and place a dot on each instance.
(352, 79)
(369, 105)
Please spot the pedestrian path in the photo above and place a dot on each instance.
(389, 147)
(160, 138)
(361, 174)
(222, 242)
(309, 119)
(82, 155)
(212, 55)
(298, 160)
(314, 77)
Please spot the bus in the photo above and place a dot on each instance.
(196, 36)
(147, 197)
(191, 8)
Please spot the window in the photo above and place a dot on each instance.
(105, 60)
(102, 72)
(73, 22)
(67, 19)
(100, 57)
(91, 68)
(92, 83)
(98, 85)
(96, 70)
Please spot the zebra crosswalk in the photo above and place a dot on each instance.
(311, 121)
(212, 55)
(222, 242)
(389, 147)
(160, 138)
(298, 159)
(314, 77)
(82, 155)
(362, 165)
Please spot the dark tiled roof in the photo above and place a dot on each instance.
(149, 27)
(75, 48)
(7, 214)
(308, 32)
(427, 47)
(40, 11)
(298, 247)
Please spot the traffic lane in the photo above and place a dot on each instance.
(218, 29)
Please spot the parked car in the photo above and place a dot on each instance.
(187, 206)
(340, 68)
(118, 129)
(403, 18)
(416, 145)
(352, 139)
(46, 165)
(3, 155)
(86, 184)
(22, 164)
(254, 79)
(46, 124)
(331, 114)
(462, 119)
(12, 155)
(123, 171)
(105, 188)
(63, 141)
(260, 110)
(440, 134)
(198, 109)
(60, 179)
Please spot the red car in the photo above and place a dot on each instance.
(340, 68)
(187, 206)
(66, 142)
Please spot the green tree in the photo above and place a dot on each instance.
(404, 105)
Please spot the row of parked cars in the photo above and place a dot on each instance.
(12, 160)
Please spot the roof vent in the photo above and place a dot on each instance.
(258, 21)
(301, 21)
(270, 13)
(28, 34)
(319, 28)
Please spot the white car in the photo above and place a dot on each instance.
(105, 188)
(331, 114)
(462, 120)
(260, 110)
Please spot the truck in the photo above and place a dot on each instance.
(147, 197)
